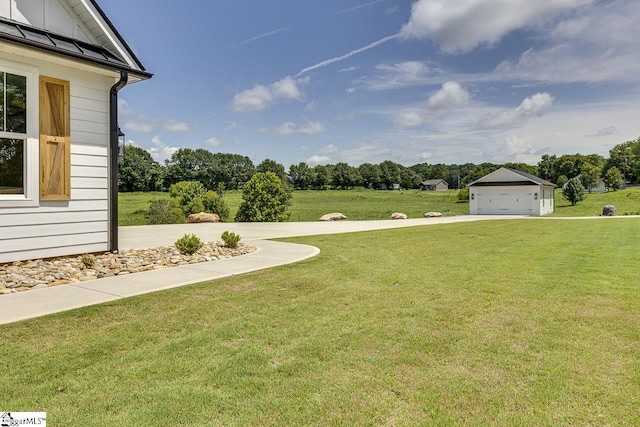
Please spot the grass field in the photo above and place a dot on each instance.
(627, 202)
(497, 323)
(370, 204)
(310, 205)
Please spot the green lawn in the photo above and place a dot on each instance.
(499, 323)
(627, 202)
(311, 205)
(364, 204)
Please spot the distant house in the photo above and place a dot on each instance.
(434, 185)
(509, 191)
(62, 63)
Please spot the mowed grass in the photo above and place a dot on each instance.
(357, 204)
(528, 322)
(627, 202)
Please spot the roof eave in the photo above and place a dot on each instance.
(141, 75)
(121, 39)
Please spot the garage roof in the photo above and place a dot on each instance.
(509, 177)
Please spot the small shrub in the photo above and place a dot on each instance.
(88, 260)
(463, 194)
(230, 239)
(214, 203)
(163, 211)
(188, 244)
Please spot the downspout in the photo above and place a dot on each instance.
(113, 151)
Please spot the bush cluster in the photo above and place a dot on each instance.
(230, 239)
(164, 211)
(188, 244)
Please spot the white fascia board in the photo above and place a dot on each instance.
(106, 29)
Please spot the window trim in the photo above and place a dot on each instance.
(31, 137)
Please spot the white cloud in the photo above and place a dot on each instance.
(402, 74)
(391, 10)
(311, 106)
(257, 98)
(534, 106)
(137, 126)
(318, 160)
(213, 142)
(123, 107)
(286, 128)
(312, 128)
(287, 88)
(289, 128)
(160, 151)
(231, 126)
(462, 25)
(606, 131)
(175, 126)
(451, 95)
(261, 97)
(348, 69)
(329, 149)
(408, 119)
(350, 90)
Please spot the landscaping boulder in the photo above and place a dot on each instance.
(202, 217)
(335, 216)
(432, 215)
(398, 215)
(609, 210)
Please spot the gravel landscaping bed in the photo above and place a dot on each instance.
(35, 274)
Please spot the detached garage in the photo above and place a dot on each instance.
(509, 191)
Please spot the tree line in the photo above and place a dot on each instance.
(138, 171)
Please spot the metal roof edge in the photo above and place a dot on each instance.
(117, 34)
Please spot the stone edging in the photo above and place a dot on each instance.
(22, 276)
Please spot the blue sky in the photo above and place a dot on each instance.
(437, 81)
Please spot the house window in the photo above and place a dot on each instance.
(18, 135)
(13, 132)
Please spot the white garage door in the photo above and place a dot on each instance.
(504, 202)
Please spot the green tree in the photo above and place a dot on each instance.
(622, 157)
(191, 165)
(231, 171)
(561, 181)
(590, 175)
(390, 173)
(137, 171)
(545, 166)
(370, 174)
(409, 179)
(574, 191)
(613, 179)
(269, 165)
(322, 177)
(301, 176)
(214, 203)
(189, 196)
(265, 198)
(344, 176)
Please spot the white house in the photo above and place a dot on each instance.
(509, 191)
(62, 63)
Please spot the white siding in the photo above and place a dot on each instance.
(81, 224)
(53, 15)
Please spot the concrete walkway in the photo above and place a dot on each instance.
(40, 302)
